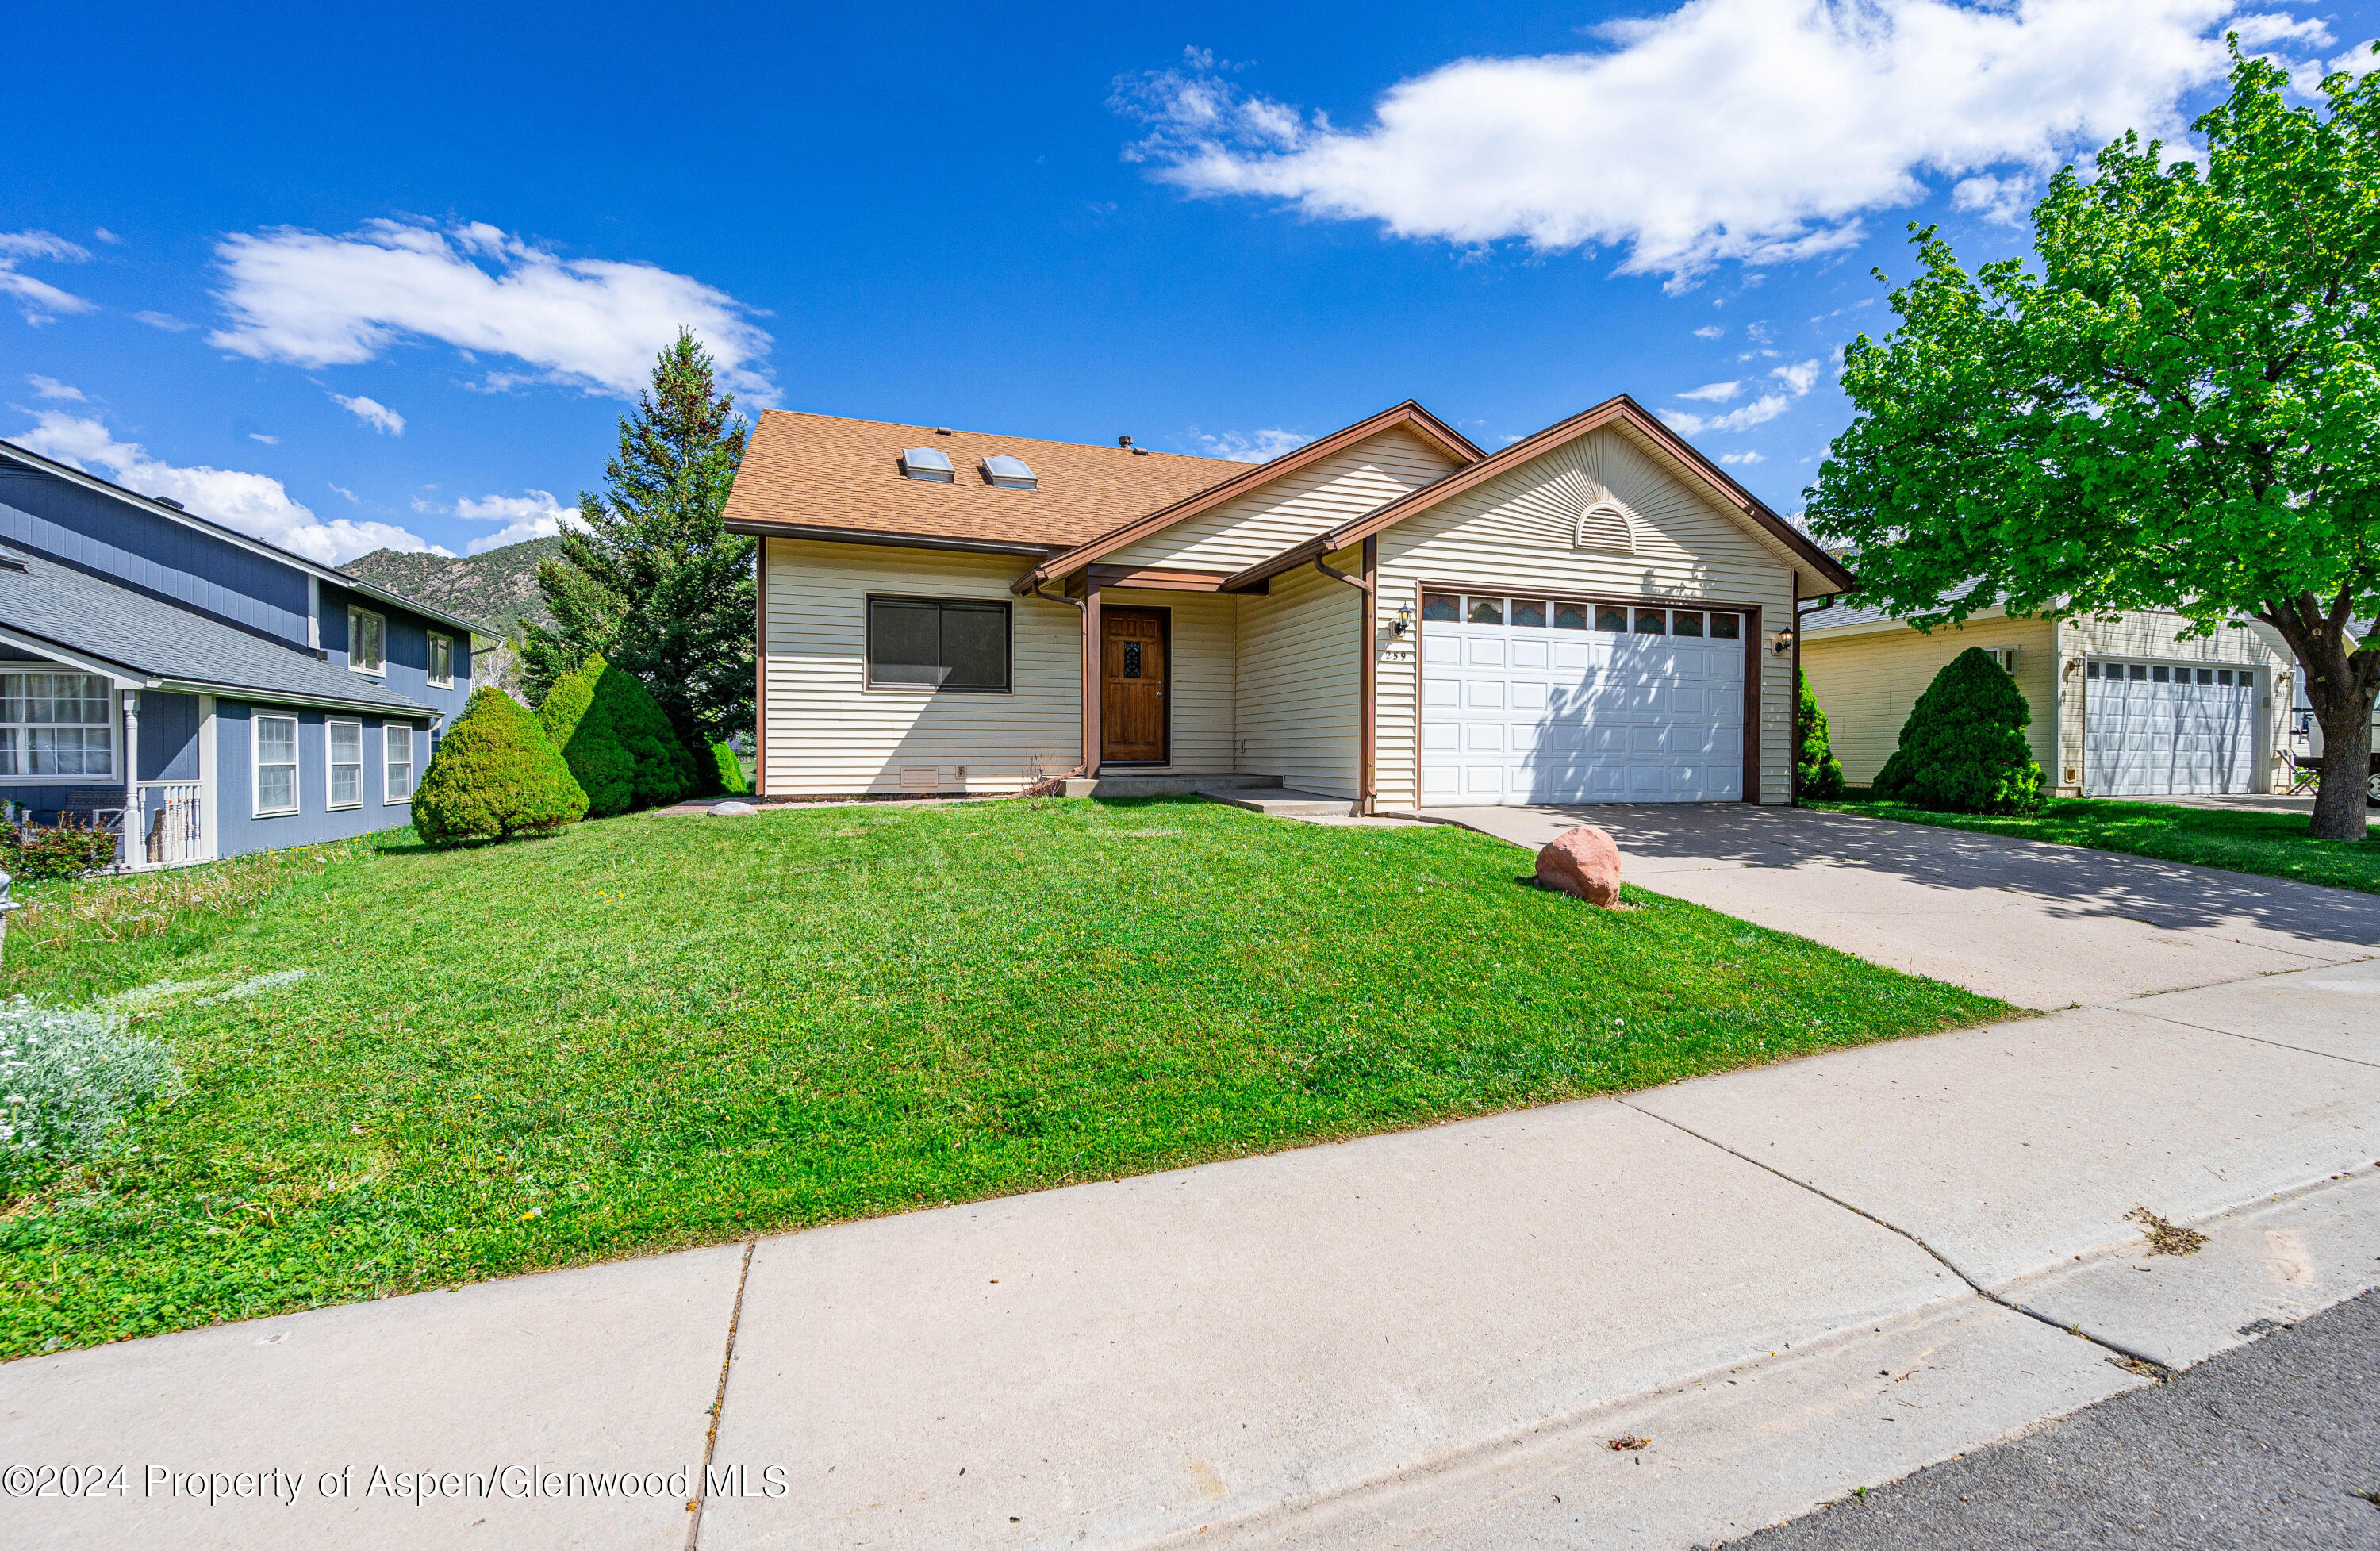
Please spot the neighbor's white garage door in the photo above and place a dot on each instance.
(2157, 730)
(1552, 701)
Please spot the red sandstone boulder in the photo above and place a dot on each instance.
(1585, 861)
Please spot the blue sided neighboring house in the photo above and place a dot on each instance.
(208, 692)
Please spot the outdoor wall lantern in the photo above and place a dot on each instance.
(1782, 642)
(1400, 626)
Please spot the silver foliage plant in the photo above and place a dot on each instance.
(69, 1075)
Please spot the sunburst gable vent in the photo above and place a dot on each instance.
(1606, 525)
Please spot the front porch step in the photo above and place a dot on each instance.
(1165, 785)
(1281, 802)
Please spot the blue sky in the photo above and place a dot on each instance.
(346, 280)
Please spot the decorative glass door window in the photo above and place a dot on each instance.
(1132, 660)
(55, 724)
(398, 747)
(347, 744)
(277, 765)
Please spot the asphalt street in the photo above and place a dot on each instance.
(2268, 1445)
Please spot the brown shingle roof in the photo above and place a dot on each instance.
(818, 471)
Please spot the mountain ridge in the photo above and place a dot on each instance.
(496, 590)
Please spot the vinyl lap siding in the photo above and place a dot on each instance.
(829, 734)
(1262, 524)
(1300, 681)
(1203, 674)
(1516, 532)
(1867, 684)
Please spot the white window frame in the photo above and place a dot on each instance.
(432, 679)
(115, 725)
(355, 613)
(256, 720)
(331, 763)
(412, 764)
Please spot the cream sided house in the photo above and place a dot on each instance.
(1387, 616)
(2122, 707)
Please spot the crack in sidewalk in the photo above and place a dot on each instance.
(718, 1403)
(2252, 1039)
(2160, 1370)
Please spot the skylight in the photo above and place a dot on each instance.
(1010, 474)
(927, 463)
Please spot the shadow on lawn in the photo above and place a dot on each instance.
(2082, 883)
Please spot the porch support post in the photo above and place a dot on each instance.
(1366, 717)
(209, 800)
(132, 816)
(1094, 666)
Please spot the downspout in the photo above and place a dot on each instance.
(1368, 585)
(1083, 608)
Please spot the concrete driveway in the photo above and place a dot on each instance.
(2037, 925)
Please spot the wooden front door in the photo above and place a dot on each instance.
(1132, 691)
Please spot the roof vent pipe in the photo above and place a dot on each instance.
(1124, 441)
(169, 501)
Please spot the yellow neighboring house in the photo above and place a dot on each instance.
(2122, 707)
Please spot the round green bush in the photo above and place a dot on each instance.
(1964, 749)
(590, 743)
(664, 773)
(495, 775)
(1821, 774)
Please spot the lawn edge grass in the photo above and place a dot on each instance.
(1992, 824)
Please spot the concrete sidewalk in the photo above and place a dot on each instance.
(2037, 925)
(1791, 1281)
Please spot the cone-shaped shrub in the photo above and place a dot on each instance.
(495, 775)
(664, 773)
(730, 770)
(588, 743)
(1962, 750)
(1814, 751)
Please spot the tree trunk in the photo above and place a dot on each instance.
(2340, 684)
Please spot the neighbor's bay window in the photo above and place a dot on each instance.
(276, 764)
(937, 643)
(345, 741)
(55, 724)
(442, 662)
(398, 747)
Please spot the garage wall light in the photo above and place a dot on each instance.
(1400, 625)
(1780, 642)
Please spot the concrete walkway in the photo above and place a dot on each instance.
(1652, 1321)
(2037, 925)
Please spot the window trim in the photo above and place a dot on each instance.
(356, 611)
(115, 725)
(868, 646)
(256, 809)
(437, 637)
(412, 764)
(330, 782)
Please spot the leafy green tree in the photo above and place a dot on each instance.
(495, 775)
(1964, 749)
(1818, 773)
(655, 583)
(589, 742)
(2178, 408)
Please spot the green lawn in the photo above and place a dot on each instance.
(2273, 844)
(658, 1031)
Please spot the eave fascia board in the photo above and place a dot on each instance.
(286, 698)
(332, 574)
(1254, 476)
(817, 533)
(120, 675)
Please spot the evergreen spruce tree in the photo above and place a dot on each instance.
(495, 775)
(1963, 748)
(654, 583)
(1821, 774)
(589, 742)
(663, 770)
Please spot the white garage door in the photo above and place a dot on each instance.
(2158, 729)
(1558, 700)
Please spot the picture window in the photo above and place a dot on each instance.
(938, 644)
(55, 724)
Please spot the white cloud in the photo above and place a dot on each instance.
(2006, 200)
(50, 387)
(534, 515)
(373, 413)
(269, 441)
(1715, 393)
(254, 503)
(1710, 331)
(2266, 29)
(104, 235)
(164, 320)
(1800, 378)
(343, 490)
(1766, 407)
(1741, 457)
(39, 301)
(589, 323)
(1750, 131)
(1262, 446)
